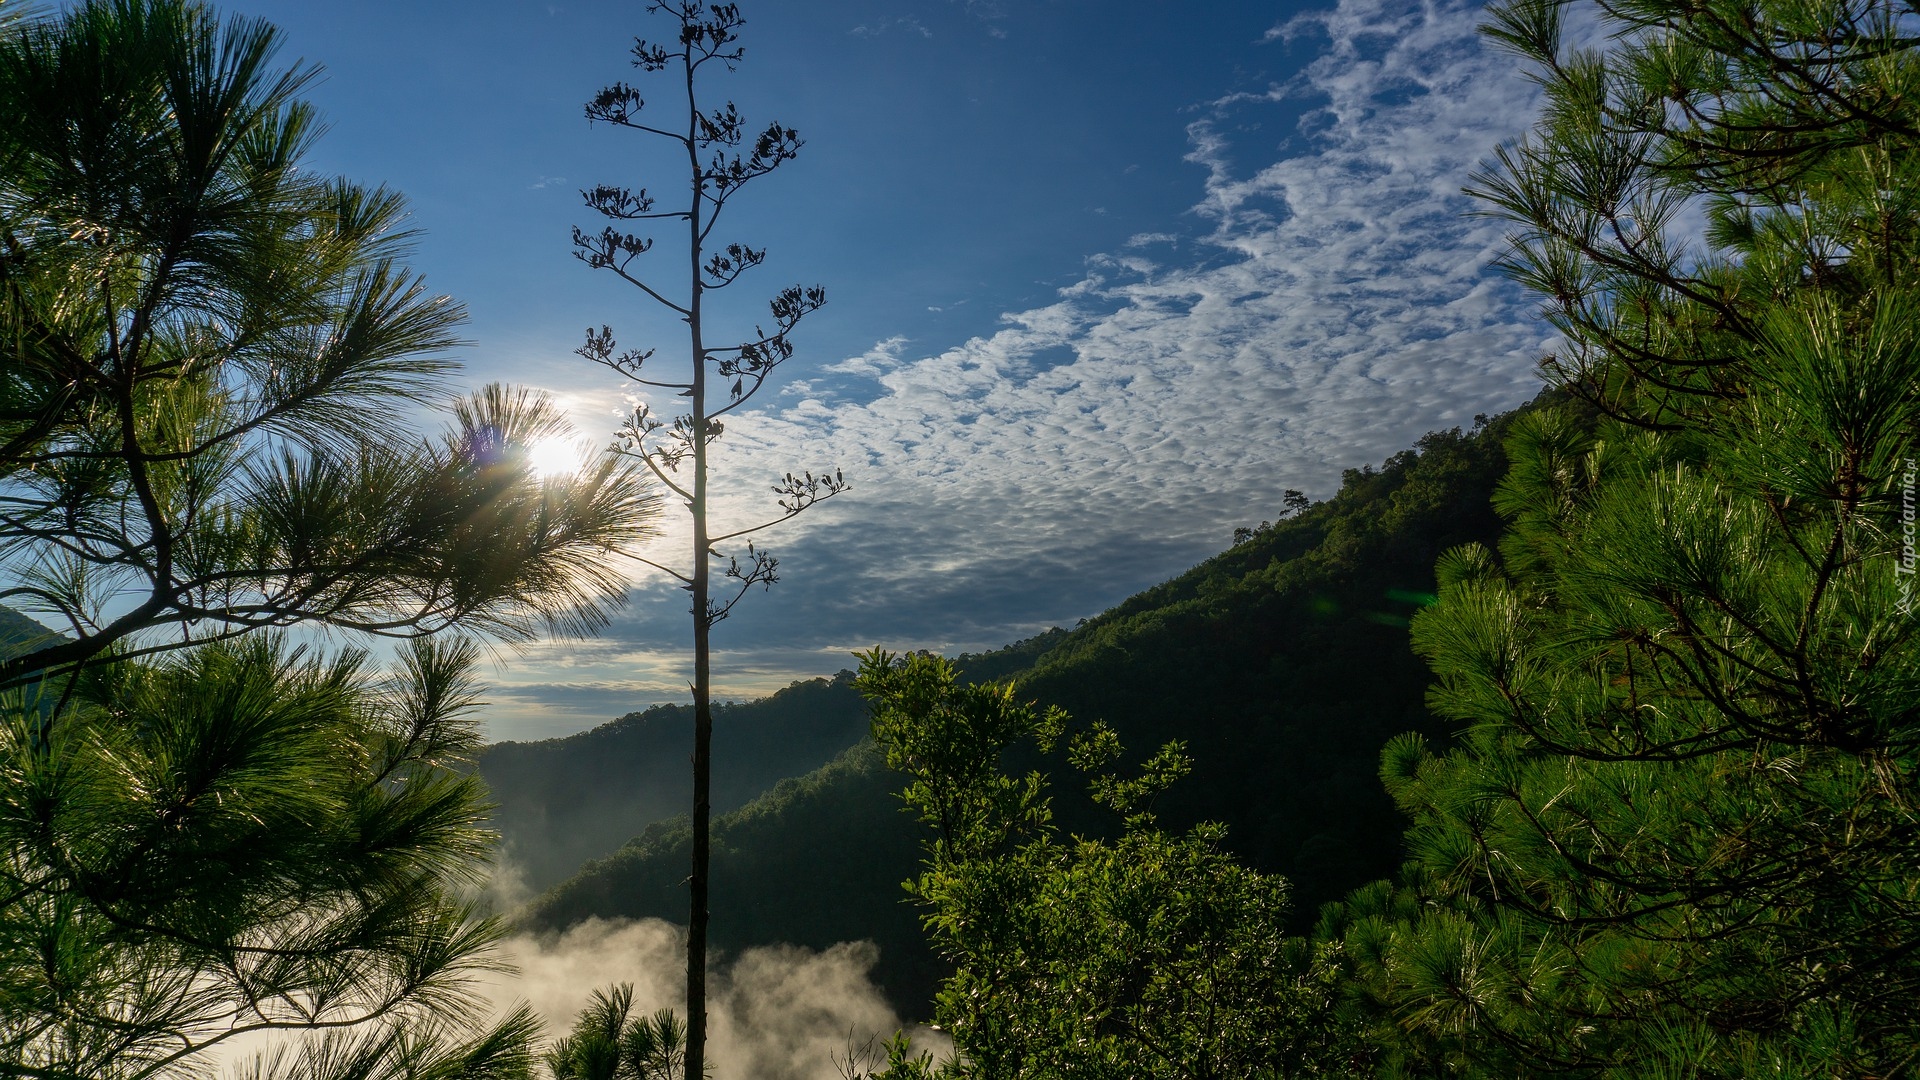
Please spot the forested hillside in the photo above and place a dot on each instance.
(17, 631)
(1283, 663)
(561, 802)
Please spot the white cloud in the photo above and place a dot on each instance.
(882, 358)
(1337, 306)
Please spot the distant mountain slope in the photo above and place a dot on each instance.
(561, 802)
(817, 860)
(1284, 665)
(18, 632)
(1282, 662)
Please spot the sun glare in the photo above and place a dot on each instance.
(555, 457)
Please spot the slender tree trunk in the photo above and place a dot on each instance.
(702, 631)
(705, 34)
(697, 881)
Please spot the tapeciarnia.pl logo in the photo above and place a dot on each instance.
(1903, 573)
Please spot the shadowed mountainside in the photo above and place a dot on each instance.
(18, 632)
(561, 802)
(1283, 663)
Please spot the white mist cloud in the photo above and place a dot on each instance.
(780, 1013)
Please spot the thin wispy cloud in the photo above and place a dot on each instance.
(990, 13)
(905, 24)
(1325, 310)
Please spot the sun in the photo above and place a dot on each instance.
(554, 457)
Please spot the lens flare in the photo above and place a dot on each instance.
(554, 458)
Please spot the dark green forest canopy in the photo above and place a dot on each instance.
(1283, 663)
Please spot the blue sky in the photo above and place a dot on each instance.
(1103, 277)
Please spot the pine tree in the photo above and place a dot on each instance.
(610, 1042)
(211, 358)
(1677, 834)
(679, 452)
(207, 827)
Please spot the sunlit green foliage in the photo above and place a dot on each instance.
(1150, 955)
(211, 358)
(241, 837)
(1680, 834)
(609, 1042)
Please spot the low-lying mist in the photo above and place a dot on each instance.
(778, 1013)
(782, 1012)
